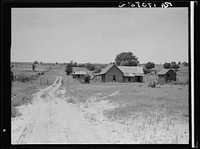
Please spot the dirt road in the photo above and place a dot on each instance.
(50, 120)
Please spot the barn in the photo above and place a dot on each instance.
(113, 73)
(166, 75)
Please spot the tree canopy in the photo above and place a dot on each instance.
(126, 59)
(167, 65)
(185, 64)
(171, 65)
(149, 65)
(174, 65)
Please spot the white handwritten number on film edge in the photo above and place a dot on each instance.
(144, 5)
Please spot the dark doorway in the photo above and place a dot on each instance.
(129, 79)
(138, 79)
(114, 79)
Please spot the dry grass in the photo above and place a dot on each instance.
(22, 92)
(152, 115)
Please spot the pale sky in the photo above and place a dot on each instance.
(97, 35)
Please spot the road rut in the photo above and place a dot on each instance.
(50, 120)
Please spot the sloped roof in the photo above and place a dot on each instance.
(128, 71)
(164, 71)
(105, 70)
(131, 69)
(79, 73)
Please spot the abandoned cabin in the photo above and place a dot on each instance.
(78, 74)
(113, 73)
(166, 75)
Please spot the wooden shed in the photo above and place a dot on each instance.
(113, 73)
(166, 75)
(78, 74)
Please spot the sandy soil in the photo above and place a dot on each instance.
(50, 119)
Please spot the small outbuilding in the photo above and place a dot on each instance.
(166, 75)
(78, 74)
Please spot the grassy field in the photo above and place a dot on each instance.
(155, 115)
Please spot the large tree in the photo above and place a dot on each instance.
(174, 65)
(149, 65)
(167, 65)
(126, 59)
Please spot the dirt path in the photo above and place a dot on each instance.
(50, 119)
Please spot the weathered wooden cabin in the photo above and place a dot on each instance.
(166, 75)
(113, 73)
(78, 74)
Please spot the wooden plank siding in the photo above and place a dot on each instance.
(169, 76)
(114, 71)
